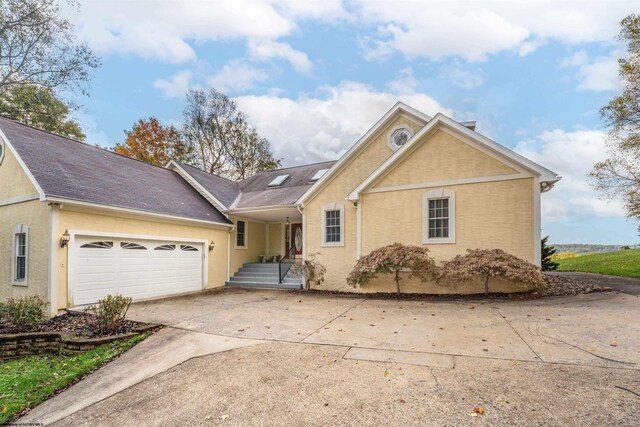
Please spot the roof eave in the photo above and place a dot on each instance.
(137, 212)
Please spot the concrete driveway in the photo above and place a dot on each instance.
(276, 357)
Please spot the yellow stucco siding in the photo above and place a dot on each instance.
(35, 215)
(14, 182)
(493, 214)
(488, 215)
(340, 260)
(255, 243)
(15, 208)
(276, 244)
(99, 222)
(442, 157)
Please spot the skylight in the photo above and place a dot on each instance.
(319, 174)
(278, 180)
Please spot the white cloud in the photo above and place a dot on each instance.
(571, 155)
(174, 87)
(599, 74)
(309, 129)
(236, 77)
(474, 30)
(165, 29)
(405, 83)
(269, 49)
(462, 78)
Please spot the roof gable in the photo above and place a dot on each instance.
(487, 146)
(70, 170)
(397, 109)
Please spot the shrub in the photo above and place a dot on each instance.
(392, 259)
(109, 314)
(547, 252)
(493, 263)
(311, 269)
(24, 313)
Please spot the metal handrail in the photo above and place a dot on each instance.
(286, 256)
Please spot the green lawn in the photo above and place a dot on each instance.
(620, 263)
(26, 382)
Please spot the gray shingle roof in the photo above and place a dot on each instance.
(224, 190)
(256, 193)
(73, 170)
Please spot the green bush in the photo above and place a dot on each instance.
(109, 314)
(24, 313)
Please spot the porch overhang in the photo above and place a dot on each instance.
(269, 213)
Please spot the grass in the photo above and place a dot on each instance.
(26, 382)
(620, 263)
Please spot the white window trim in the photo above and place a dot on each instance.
(440, 193)
(20, 229)
(246, 234)
(323, 219)
(390, 142)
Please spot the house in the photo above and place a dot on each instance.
(78, 222)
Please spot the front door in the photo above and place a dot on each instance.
(296, 233)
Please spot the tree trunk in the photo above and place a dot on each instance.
(398, 281)
(486, 285)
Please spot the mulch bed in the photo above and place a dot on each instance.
(79, 324)
(555, 286)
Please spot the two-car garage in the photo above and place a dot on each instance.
(138, 268)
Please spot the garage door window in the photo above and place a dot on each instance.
(165, 248)
(188, 248)
(128, 245)
(98, 245)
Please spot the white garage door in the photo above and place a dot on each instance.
(135, 268)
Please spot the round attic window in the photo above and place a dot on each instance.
(399, 137)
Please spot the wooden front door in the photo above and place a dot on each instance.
(296, 236)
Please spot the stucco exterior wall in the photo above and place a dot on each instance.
(255, 239)
(35, 215)
(496, 214)
(14, 183)
(99, 222)
(340, 260)
(276, 235)
(432, 161)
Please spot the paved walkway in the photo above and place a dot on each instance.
(627, 285)
(586, 334)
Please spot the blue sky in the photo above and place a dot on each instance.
(313, 76)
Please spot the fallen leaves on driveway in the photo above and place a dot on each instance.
(478, 410)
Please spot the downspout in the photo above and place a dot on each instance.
(304, 232)
(304, 241)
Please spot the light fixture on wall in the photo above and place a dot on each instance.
(212, 246)
(287, 222)
(64, 240)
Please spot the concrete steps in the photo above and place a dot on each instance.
(263, 275)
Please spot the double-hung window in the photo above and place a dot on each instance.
(241, 234)
(439, 217)
(20, 254)
(333, 225)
